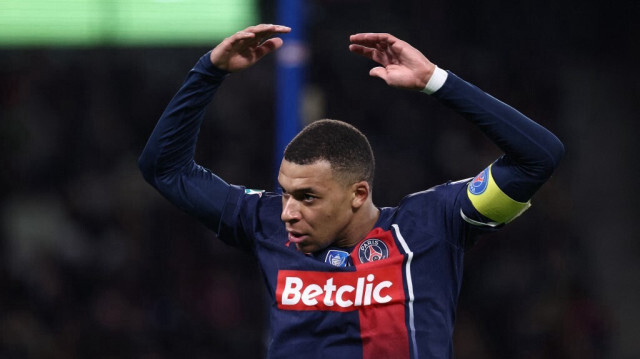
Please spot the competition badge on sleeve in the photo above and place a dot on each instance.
(254, 191)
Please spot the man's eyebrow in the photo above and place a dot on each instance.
(305, 190)
(299, 190)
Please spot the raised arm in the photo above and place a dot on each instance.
(167, 160)
(531, 151)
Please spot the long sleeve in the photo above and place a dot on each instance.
(167, 161)
(531, 152)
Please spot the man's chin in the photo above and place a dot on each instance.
(308, 248)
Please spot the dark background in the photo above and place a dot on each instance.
(96, 264)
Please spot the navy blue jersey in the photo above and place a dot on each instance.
(394, 294)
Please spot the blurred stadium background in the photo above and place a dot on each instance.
(95, 264)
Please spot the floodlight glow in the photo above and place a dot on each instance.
(121, 22)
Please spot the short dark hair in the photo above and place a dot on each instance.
(345, 148)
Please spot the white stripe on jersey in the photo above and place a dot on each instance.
(410, 288)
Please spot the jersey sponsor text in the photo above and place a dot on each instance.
(337, 291)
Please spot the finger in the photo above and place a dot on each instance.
(266, 32)
(239, 36)
(370, 39)
(269, 46)
(257, 28)
(380, 72)
(255, 35)
(370, 53)
(280, 29)
(362, 50)
(268, 29)
(253, 38)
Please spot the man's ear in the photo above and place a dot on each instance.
(361, 192)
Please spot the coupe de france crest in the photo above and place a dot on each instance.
(372, 249)
(337, 258)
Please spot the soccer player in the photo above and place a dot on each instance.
(348, 279)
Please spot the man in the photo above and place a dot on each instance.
(347, 279)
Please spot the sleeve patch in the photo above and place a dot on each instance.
(259, 192)
(488, 199)
(480, 183)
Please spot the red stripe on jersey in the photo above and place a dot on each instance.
(382, 328)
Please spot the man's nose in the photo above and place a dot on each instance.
(290, 210)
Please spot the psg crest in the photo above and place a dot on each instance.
(479, 184)
(372, 250)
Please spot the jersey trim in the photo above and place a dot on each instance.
(478, 223)
(412, 326)
(437, 80)
(488, 199)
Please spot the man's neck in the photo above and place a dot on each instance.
(363, 223)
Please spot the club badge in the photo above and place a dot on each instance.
(372, 249)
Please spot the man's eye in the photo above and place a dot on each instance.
(308, 197)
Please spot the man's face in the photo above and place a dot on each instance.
(316, 207)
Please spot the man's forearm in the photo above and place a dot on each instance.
(172, 143)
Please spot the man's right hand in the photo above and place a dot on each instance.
(246, 47)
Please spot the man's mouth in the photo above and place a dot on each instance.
(296, 237)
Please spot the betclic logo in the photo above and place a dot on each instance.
(338, 291)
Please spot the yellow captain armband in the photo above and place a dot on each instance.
(488, 199)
